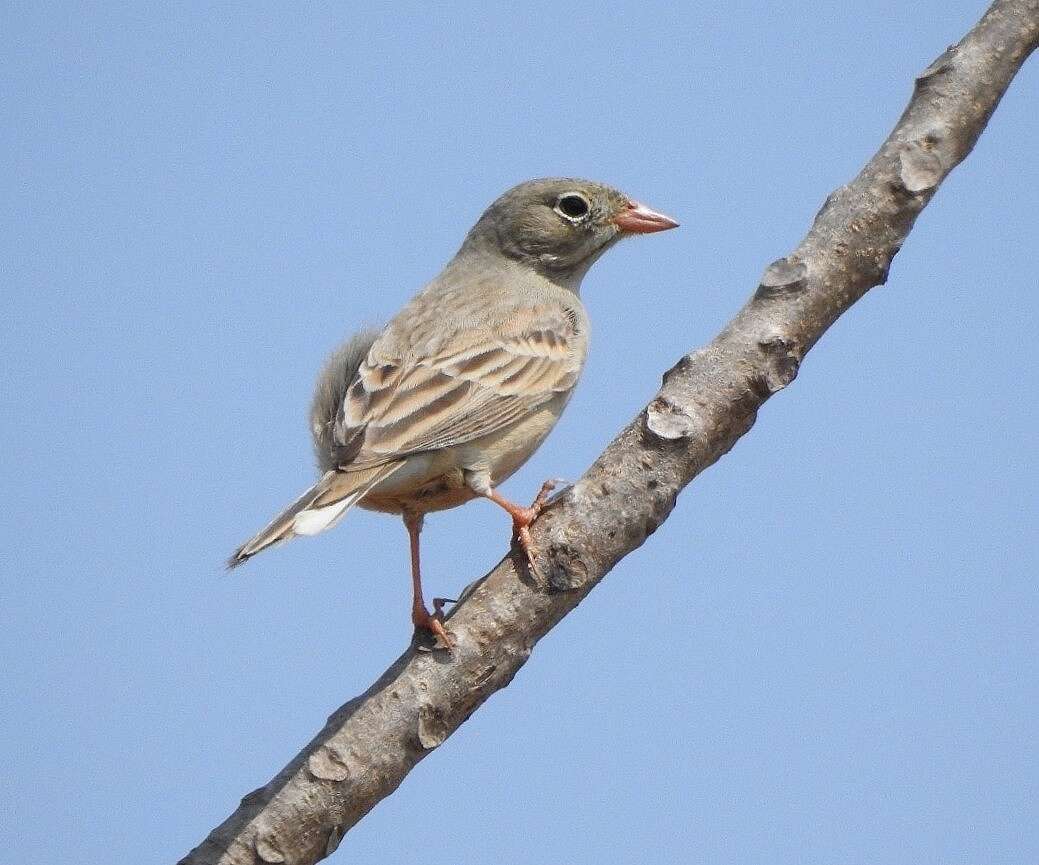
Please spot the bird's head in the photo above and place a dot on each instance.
(560, 226)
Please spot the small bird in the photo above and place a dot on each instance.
(466, 381)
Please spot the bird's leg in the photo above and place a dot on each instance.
(420, 616)
(522, 518)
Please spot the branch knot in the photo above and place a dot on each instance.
(668, 421)
(782, 362)
(783, 276)
(920, 168)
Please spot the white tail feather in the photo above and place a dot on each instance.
(315, 520)
(319, 508)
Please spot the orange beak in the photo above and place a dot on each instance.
(638, 219)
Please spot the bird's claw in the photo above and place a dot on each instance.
(541, 499)
(438, 606)
(559, 488)
(522, 518)
(521, 537)
(434, 623)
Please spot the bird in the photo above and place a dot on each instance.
(456, 392)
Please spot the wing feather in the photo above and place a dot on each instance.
(466, 384)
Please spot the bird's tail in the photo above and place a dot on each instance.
(319, 508)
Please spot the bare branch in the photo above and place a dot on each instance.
(707, 401)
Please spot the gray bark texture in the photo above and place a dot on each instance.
(706, 402)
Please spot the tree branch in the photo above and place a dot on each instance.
(707, 401)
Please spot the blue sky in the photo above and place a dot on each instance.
(828, 653)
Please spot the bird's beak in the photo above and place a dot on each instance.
(638, 219)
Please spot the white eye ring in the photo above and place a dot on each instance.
(573, 206)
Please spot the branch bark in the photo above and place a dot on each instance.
(707, 401)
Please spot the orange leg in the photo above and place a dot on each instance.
(420, 616)
(522, 518)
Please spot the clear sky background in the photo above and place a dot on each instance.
(827, 655)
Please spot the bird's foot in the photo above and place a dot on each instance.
(521, 521)
(422, 620)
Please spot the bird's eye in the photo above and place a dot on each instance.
(572, 205)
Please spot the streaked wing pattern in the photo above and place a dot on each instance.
(478, 380)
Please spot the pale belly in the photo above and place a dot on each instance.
(437, 480)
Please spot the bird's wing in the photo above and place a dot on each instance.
(467, 383)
